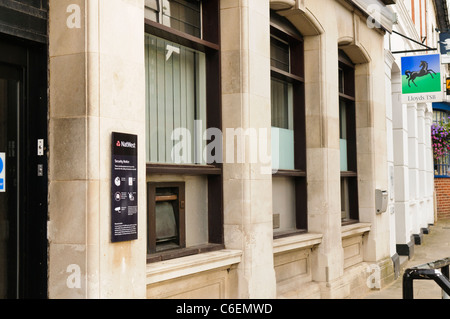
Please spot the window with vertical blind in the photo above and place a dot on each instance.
(176, 99)
(347, 140)
(184, 189)
(288, 129)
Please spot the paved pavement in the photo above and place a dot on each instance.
(435, 246)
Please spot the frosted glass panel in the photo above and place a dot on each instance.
(343, 148)
(176, 99)
(282, 148)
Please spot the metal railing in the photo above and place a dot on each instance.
(442, 165)
(437, 270)
(441, 169)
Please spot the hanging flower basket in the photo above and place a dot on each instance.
(440, 139)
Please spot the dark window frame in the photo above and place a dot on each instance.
(282, 30)
(209, 43)
(347, 95)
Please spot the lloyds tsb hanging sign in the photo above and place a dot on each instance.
(421, 79)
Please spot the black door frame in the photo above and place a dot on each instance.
(33, 186)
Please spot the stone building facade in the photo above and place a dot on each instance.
(269, 190)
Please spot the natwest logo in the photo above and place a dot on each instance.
(125, 144)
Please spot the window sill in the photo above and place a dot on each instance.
(290, 172)
(183, 252)
(348, 174)
(176, 169)
(345, 222)
(303, 241)
(355, 229)
(288, 233)
(176, 268)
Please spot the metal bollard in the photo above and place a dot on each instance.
(445, 272)
(437, 271)
(408, 288)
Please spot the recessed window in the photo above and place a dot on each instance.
(347, 140)
(288, 129)
(183, 100)
(176, 102)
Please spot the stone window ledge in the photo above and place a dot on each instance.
(355, 229)
(184, 266)
(303, 241)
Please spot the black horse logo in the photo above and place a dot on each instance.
(411, 76)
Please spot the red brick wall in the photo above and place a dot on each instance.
(442, 188)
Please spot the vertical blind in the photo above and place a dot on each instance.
(175, 99)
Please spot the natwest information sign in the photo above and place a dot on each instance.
(124, 188)
(421, 79)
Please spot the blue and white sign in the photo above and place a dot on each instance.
(2, 173)
(422, 81)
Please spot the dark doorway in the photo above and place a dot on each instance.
(23, 170)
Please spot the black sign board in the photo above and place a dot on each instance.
(124, 188)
